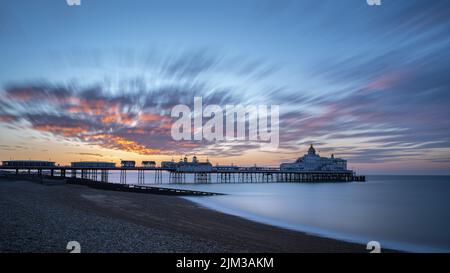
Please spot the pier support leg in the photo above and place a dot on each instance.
(158, 177)
(123, 176)
(104, 176)
(201, 177)
(141, 177)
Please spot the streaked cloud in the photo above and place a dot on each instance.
(367, 84)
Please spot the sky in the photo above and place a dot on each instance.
(369, 84)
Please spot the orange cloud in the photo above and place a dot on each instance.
(148, 117)
(61, 130)
(137, 131)
(165, 125)
(23, 94)
(95, 107)
(7, 118)
(117, 117)
(121, 143)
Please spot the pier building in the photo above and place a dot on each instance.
(148, 164)
(128, 163)
(226, 168)
(170, 165)
(92, 164)
(314, 162)
(27, 163)
(194, 166)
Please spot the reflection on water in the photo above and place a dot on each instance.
(402, 212)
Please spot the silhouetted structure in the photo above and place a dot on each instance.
(92, 164)
(314, 162)
(127, 163)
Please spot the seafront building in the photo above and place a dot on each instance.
(172, 165)
(148, 164)
(226, 168)
(314, 162)
(128, 163)
(92, 164)
(194, 166)
(27, 163)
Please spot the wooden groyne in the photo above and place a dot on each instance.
(137, 188)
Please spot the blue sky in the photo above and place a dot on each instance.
(367, 83)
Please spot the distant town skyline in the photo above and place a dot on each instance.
(98, 81)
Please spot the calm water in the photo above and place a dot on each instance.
(402, 212)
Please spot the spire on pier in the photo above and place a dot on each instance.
(311, 150)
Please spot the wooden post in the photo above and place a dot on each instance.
(123, 176)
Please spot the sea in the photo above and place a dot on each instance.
(407, 213)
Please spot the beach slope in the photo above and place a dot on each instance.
(44, 218)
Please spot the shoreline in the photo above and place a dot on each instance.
(43, 218)
(389, 247)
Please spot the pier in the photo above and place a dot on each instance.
(310, 168)
(154, 175)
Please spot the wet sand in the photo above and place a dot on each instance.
(43, 218)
